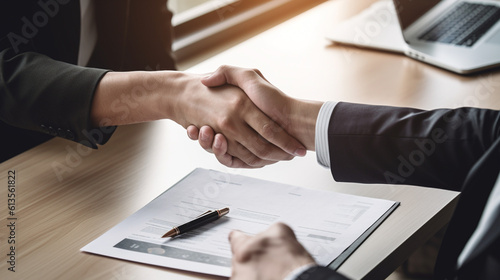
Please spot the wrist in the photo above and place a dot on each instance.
(128, 97)
(185, 98)
(174, 89)
(303, 116)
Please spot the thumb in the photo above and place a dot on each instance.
(215, 79)
(243, 246)
(227, 74)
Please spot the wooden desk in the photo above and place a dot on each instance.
(57, 215)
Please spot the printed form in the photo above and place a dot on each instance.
(326, 223)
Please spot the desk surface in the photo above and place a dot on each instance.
(96, 189)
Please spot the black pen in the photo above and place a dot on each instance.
(203, 219)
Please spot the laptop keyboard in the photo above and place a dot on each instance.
(463, 25)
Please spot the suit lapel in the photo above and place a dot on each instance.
(475, 192)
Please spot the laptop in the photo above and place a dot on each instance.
(462, 36)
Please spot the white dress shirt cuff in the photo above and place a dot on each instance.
(321, 137)
(298, 271)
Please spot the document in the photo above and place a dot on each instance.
(328, 224)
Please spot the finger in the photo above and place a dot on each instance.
(240, 151)
(252, 246)
(236, 240)
(272, 236)
(216, 145)
(208, 142)
(281, 230)
(206, 138)
(230, 161)
(284, 146)
(240, 248)
(257, 71)
(219, 146)
(252, 148)
(233, 162)
(243, 158)
(236, 237)
(217, 78)
(192, 132)
(220, 150)
(226, 74)
(236, 76)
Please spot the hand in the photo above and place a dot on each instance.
(297, 117)
(252, 137)
(272, 101)
(272, 254)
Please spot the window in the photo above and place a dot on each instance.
(199, 24)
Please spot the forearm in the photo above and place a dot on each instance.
(139, 96)
(380, 144)
(302, 121)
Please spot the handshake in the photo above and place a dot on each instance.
(248, 122)
(234, 113)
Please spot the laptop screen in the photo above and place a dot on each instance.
(410, 10)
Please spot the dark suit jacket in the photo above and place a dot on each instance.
(42, 92)
(449, 149)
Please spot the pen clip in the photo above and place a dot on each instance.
(207, 212)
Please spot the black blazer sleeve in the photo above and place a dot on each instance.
(382, 144)
(41, 94)
(455, 149)
(40, 87)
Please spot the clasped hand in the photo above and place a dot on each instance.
(282, 123)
